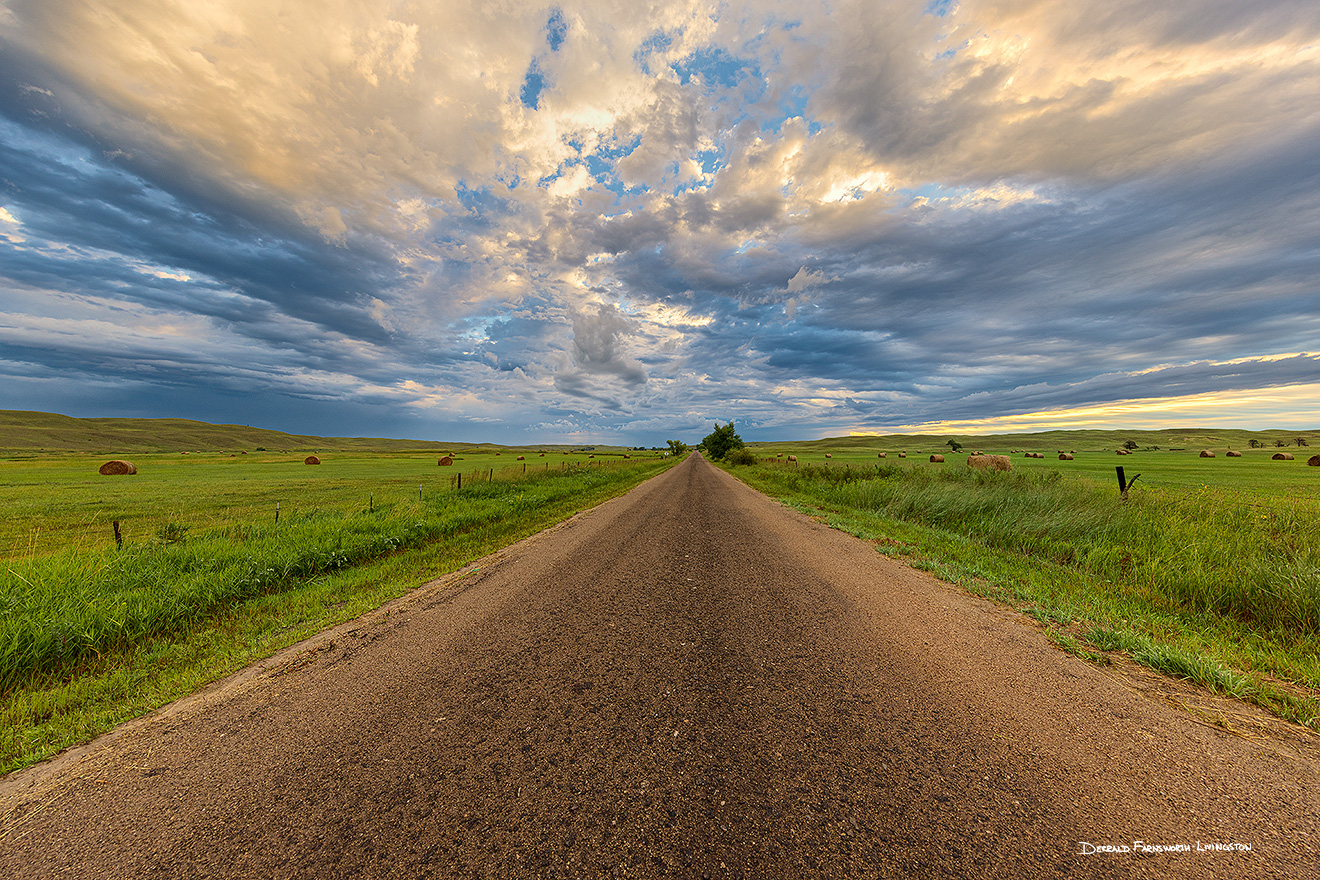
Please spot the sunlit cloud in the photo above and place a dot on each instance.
(1296, 407)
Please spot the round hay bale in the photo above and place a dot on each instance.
(1206, 453)
(540, 455)
(880, 454)
(902, 455)
(311, 459)
(978, 452)
(1232, 454)
(522, 458)
(1065, 456)
(938, 459)
(827, 455)
(117, 468)
(1314, 461)
(445, 461)
(792, 458)
(990, 462)
(1282, 456)
(1121, 451)
(779, 455)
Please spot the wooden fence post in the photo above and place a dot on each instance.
(1123, 483)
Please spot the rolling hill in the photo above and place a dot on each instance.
(26, 432)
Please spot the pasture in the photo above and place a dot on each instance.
(52, 502)
(1176, 471)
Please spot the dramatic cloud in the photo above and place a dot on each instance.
(624, 221)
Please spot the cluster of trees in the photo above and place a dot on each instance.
(1257, 444)
(722, 441)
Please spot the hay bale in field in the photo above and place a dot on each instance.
(880, 454)
(1065, 456)
(522, 458)
(1121, 451)
(1314, 461)
(540, 455)
(1232, 454)
(827, 455)
(779, 455)
(1206, 453)
(978, 452)
(938, 459)
(1282, 456)
(445, 461)
(792, 458)
(902, 455)
(117, 468)
(311, 459)
(990, 462)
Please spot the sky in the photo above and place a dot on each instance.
(623, 221)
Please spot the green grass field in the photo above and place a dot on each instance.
(59, 500)
(1209, 571)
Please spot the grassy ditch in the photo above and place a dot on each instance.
(92, 636)
(1211, 585)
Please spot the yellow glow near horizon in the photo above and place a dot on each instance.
(1292, 406)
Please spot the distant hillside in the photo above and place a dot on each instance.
(1168, 438)
(22, 431)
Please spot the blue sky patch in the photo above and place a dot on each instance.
(556, 30)
(533, 84)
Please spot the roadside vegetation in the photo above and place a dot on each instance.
(1208, 571)
(208, 580)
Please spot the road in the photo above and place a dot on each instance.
(688, 681)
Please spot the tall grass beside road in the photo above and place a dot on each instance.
(85, 632)
(1210, 584)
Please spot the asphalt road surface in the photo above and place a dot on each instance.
(689, 681)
